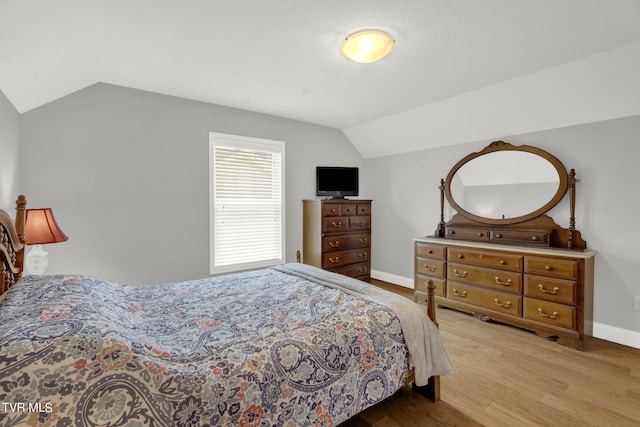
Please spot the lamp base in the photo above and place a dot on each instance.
(37, 260)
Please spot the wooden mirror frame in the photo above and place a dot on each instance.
(532, 229)
(505, 146)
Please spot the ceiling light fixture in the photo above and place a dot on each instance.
(367, 45)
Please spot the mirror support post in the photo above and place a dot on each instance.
(440, 230)
(572, 218)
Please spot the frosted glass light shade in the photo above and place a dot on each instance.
(367, 45)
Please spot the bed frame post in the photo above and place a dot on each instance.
(432, 389)
(431, 301)
(12, 245)
(21, 204)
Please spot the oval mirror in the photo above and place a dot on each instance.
(505, 184)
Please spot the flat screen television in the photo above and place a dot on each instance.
(336, 182)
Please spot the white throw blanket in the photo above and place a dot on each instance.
(426, 350)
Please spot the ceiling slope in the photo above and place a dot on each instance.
(282, 58)
(601, 87)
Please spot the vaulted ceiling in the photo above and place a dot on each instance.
(460, 68)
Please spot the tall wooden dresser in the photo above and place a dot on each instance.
(337, 236)
(548, 291)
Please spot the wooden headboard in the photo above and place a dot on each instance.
(12, 245)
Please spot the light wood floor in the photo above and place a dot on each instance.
(510, 377)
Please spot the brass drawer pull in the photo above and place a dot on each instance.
(363, 255)
(348, 209)
(555, 314)
(458, 294)
(334, 245)
(432, 268)
(463, 274)
(336, 224)
(334, 260)
(500, 282)
(363, 241)
(554, 291)
(362, 270)
(503, 262)
(548, 267)
(505, 305)
(360, 223)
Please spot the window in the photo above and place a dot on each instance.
(246, 202)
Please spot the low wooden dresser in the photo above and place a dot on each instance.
(337, 236)
(548, 291)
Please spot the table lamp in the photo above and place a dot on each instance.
(40, 228)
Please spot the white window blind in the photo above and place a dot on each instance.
(247, 202)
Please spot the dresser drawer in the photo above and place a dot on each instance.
(503, 261)
(420, 283)
(486, 298)
(526, 237)
(337, 259)
(507, 281)
(467, 233)
(341, 243)
(338, 209)
(330, 209)
(430, 267)
(335, 224)
(550, 289)
(363, 209)
(553, 267)
(358, 270)
(359, 223)
(550, 312)
(428, 250)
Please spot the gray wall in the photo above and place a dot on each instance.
(9, 139)
(126, 173)
(605, 156)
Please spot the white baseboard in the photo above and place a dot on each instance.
(392, 278)
(602, 331)
(617, 335)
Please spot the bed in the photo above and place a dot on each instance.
(291, 345)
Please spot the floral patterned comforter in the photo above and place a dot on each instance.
(249, 349)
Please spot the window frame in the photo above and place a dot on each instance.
(251, 143)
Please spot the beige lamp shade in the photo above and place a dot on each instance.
(367, 45)
(41, 227)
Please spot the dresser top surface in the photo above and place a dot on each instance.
(587, 253)
(337, 200)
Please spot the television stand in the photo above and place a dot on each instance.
(337, 236)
